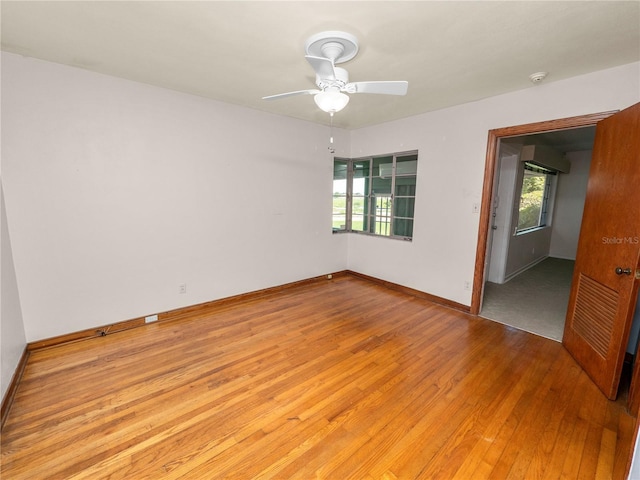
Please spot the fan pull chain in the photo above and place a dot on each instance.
(330, 147)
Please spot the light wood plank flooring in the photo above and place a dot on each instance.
(339, 379)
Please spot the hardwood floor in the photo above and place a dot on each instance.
(340, 379)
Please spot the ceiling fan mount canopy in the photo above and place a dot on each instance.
(339, 47)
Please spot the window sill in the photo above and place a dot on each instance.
(531, 230)
(367, 234)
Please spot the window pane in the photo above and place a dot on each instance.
(361, 186)
(340, 169)
(359, 213)
(531, 199)
(406, 186)
(381, 186)
(403, 207)
(382, 167)
(382, 215)
(339, 212)
(360, 203)
(361, 169)
(407, 165)
(358, 223)
(403, 227)
(339, 221)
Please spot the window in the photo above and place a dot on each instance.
(534, 197)
(375, 195)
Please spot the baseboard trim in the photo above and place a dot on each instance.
(178, 313)
(524, 269)
(10, 394)
(413, 292)
(207, 307)
(86, 334)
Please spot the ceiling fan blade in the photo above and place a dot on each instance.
(385, 88)
(291, 94)
(322, 66)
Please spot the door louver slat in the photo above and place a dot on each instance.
(595, 313)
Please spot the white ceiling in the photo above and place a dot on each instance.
(567, 140)
(239, 51)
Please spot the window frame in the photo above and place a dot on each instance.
(548, 197)
(371, 164)
(346, 195)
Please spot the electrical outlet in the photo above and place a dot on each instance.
(182, 288)
(475, 208)
(151, 318)
(467, 285)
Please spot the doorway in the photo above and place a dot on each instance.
(534, 228)
(621, 122)
(494, 138)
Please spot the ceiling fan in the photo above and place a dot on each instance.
(323, 51)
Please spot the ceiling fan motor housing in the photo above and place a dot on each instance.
(340, 80)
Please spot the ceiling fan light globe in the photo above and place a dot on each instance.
(331, 101)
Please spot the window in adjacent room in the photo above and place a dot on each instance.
(534, 197)
(375, 195)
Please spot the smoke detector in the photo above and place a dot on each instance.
(537, 77)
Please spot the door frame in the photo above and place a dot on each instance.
(489, 176)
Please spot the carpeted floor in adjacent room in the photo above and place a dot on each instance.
(535, 300)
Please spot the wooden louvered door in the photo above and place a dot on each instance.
(604, 288)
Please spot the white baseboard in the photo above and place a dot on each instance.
(522, 269)
(562, 257)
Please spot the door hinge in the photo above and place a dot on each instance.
(637, 273)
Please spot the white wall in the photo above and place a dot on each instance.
(117, 192)
(452, 146)
(12, 336)
(570, 195)
(527, 249)
(506, 186)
